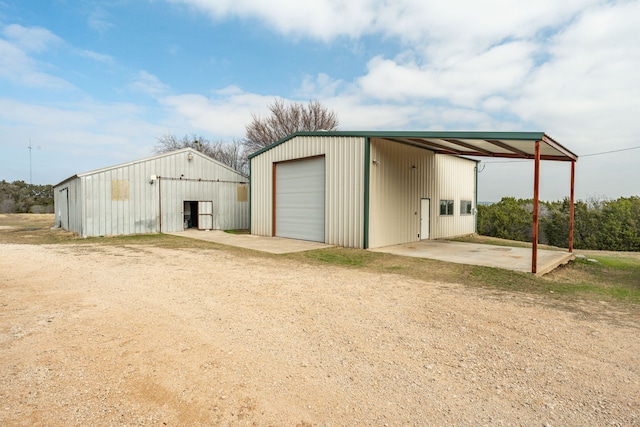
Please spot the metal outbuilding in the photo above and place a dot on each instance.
(360, 191)
(374, 189)
(164, 193)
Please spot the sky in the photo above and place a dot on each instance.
(87, 84)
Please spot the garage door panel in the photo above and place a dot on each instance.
(300, 199)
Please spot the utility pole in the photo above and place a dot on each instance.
(30, 174)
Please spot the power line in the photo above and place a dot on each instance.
(609, 152)
(582, 155)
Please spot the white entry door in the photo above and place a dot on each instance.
(424, 218)
(205, 215)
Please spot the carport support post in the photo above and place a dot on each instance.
(572, 206)
(536, 194)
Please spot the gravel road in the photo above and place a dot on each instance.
(100, 335)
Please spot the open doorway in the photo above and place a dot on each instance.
(190, 214)
(198, 214)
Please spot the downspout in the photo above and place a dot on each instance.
(160, 202)
(367, 177)
(475, 227)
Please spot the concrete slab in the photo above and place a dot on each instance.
(274, 245)
(505, 257)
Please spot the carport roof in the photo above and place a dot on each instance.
(516, 145)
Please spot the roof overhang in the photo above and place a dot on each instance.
(514, 145)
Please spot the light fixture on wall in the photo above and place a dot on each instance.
(375, 162)
(414, 167)
(190, 156)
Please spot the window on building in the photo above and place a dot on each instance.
(465, 207)
(446, 207)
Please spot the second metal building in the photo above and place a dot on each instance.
(163, 193)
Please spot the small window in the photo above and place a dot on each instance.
(465, 207)
(446, 207)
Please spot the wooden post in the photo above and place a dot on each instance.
(536, 194)
(572, 206)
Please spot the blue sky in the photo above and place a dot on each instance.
(94, 83)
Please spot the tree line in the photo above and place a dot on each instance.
(612, 225)
(20, 197)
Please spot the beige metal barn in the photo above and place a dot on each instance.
(374, 189)
(360, 190)
(163, 193)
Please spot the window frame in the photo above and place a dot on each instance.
(448, 204)
(466, 203)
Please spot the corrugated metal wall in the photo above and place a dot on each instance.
(401, 175)
(123, 200)
(344, 203)
(456, 181)
(68, 205)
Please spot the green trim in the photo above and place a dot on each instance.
(475, 228)
(250, 193)
(514, 136)
(367, 185)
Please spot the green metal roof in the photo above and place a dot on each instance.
(517, 145)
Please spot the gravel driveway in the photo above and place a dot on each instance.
(100, 335)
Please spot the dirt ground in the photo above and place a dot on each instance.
(107, 335)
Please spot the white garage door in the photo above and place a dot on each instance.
(299, 206)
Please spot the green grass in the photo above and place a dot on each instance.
(611, 280)
(343, 257)
(241, 231)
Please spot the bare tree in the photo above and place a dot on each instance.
(231, 154)
(285, 120)
(170, 142)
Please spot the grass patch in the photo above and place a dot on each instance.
(611, 280)
(241, 231)
(342, 257)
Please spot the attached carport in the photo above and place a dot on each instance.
(536, 146)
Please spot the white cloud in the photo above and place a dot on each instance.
(99, 20)
(148, 83)
(224, 115)
(452, 26)
(321, 20)
(499, 70)
(33, 39)
(72, 138)
(17, 66)
(99, 57)
(588, 90)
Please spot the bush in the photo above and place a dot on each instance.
(602, 225)
(20, 197)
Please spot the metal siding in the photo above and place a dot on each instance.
(103, 216)
(71, 209)
(344, 192)
(396, 191)
(456, 181)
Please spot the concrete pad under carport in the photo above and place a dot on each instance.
(505, 257)
(274, 245)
